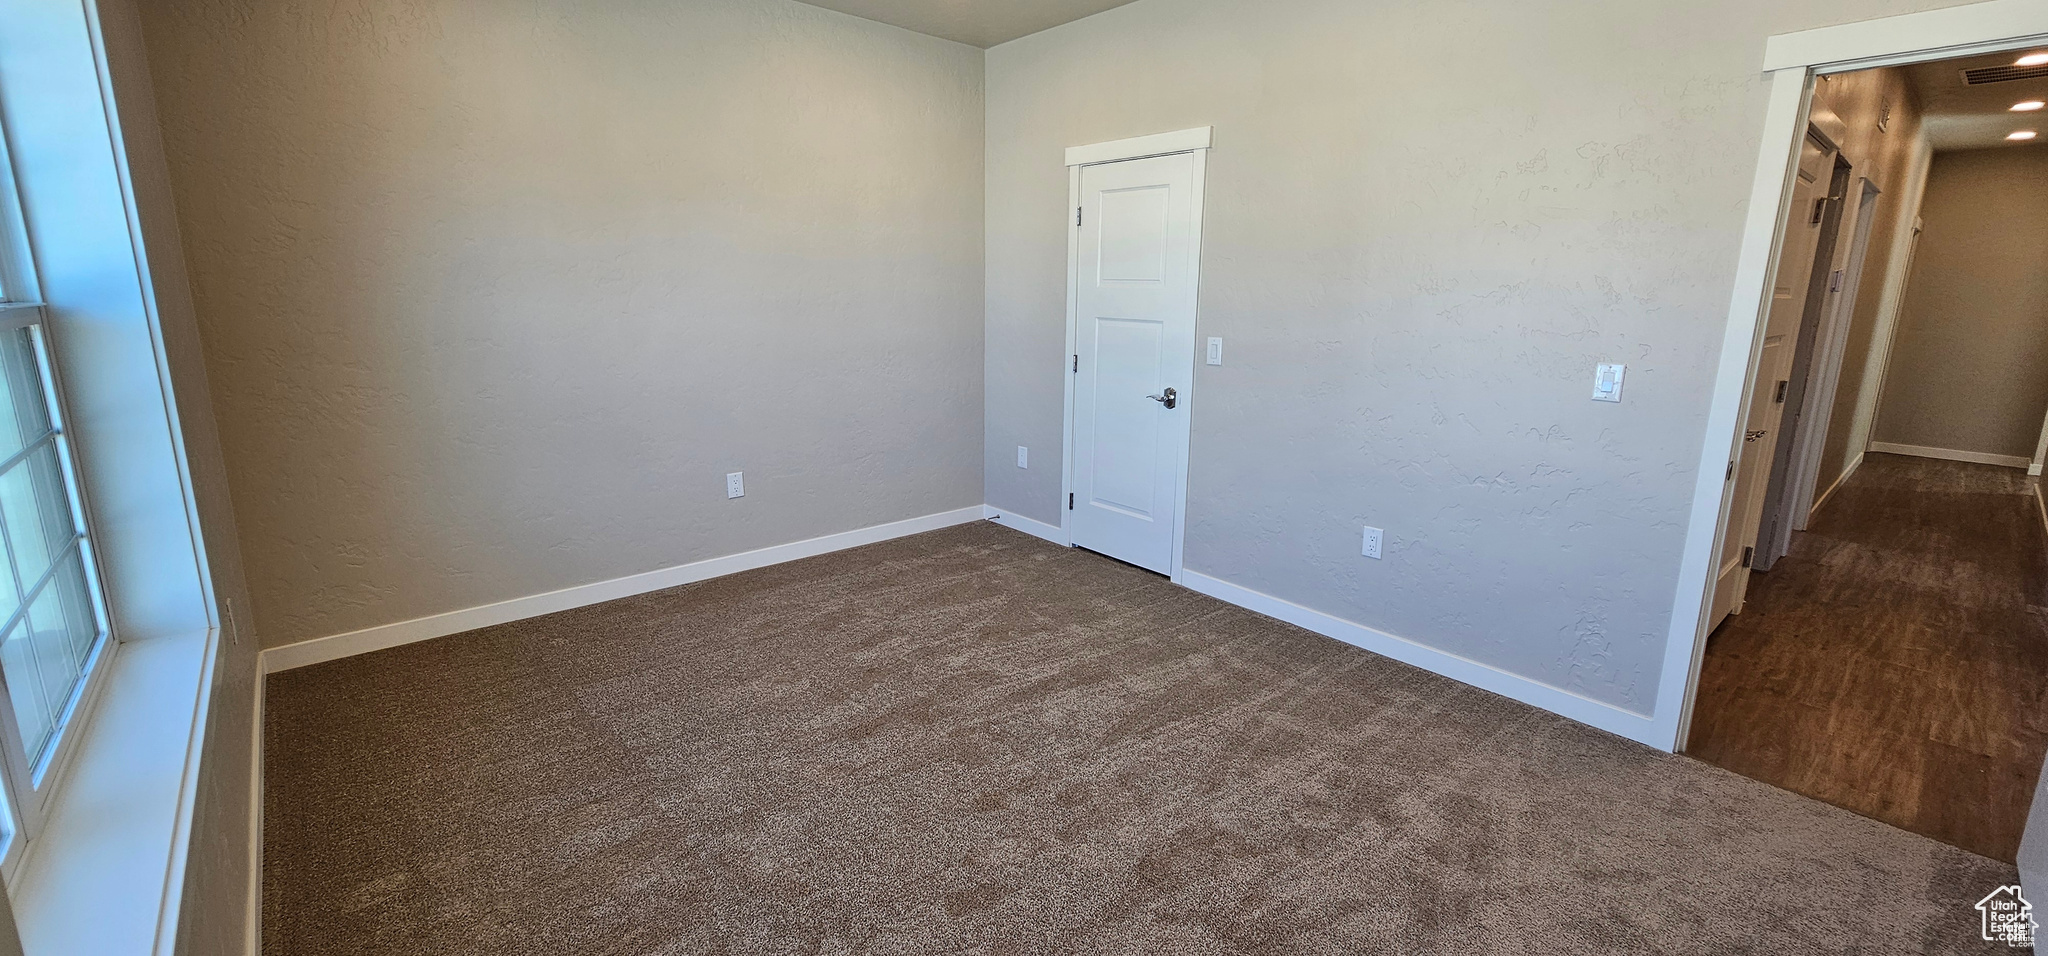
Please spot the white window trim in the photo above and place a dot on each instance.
(1792, 61)
(104, 869)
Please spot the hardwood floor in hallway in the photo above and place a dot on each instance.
(1896, 662)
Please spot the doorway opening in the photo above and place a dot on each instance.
(1877, 617)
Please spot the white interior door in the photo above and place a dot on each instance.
(1766, 407)
(1133, 368)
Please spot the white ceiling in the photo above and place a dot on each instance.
(982, 23)
(1959, 116)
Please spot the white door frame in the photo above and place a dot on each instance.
(1194, 142)
(1824, 375)
(1793, 60)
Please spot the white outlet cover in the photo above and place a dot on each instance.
(1371, 548)
(1023, 457)
(735, 485)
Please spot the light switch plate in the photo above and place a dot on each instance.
(1371, 548)
(1607, 381)
(1215, 350)
(1023, 457)
(735, 486)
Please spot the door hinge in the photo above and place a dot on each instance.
(1782, 386)
(1748, 555)
(1077, 215)
(1731, 472)
(1077, 362)
(1070, 501)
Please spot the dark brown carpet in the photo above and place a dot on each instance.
(972, 741)
(1896, 662)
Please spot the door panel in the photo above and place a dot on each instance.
(1760, 425)
(1135, 303)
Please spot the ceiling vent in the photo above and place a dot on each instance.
(2002, 74)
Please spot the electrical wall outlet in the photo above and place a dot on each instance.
(1023, 457)
(1215, 350)
(735, 486)
(1371, 548)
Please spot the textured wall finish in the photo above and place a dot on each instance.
(1969, 371)
(1426, 223)
(494, 295)
(1895, 159)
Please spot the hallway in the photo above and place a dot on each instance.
(1894, 663)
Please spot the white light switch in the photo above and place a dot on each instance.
(735, 487)
(1023, 457)
(1215, 350)
(1372, 543)
(1607, 382)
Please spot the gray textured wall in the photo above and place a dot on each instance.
(1426, 222)
(1967, 369)
(494, 295)
(1896, 160)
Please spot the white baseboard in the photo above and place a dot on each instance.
(337, 646)
(1951, 454)
(1010, 519)
(1615, 720)
(1840, 480)
(2041, 505)
(253, 931)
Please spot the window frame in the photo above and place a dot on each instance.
(29, 782)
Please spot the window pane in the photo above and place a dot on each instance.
(58, 637)
(24, 412)
(37, 512)
(32, 709)
(75, 603)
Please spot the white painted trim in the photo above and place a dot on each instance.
(1854, 464)
(2040, 450)
(1933, 34)
(1140, 147)
(1824, 376)
(1565, 703)
(1013, 520)
(2041, 505)
(1073, 353)
(1950, 454)
(337, 646)
(1176, 562)
(253, 928)
(1777, 162)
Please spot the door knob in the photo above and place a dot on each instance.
(1168, 399)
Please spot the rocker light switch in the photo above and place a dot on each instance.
(1607, 382)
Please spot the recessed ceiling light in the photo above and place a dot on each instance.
(2028, 106)
(2020, 134)
(2032, 59)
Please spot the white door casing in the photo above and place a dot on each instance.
(1133, 278)
(1817, 418)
